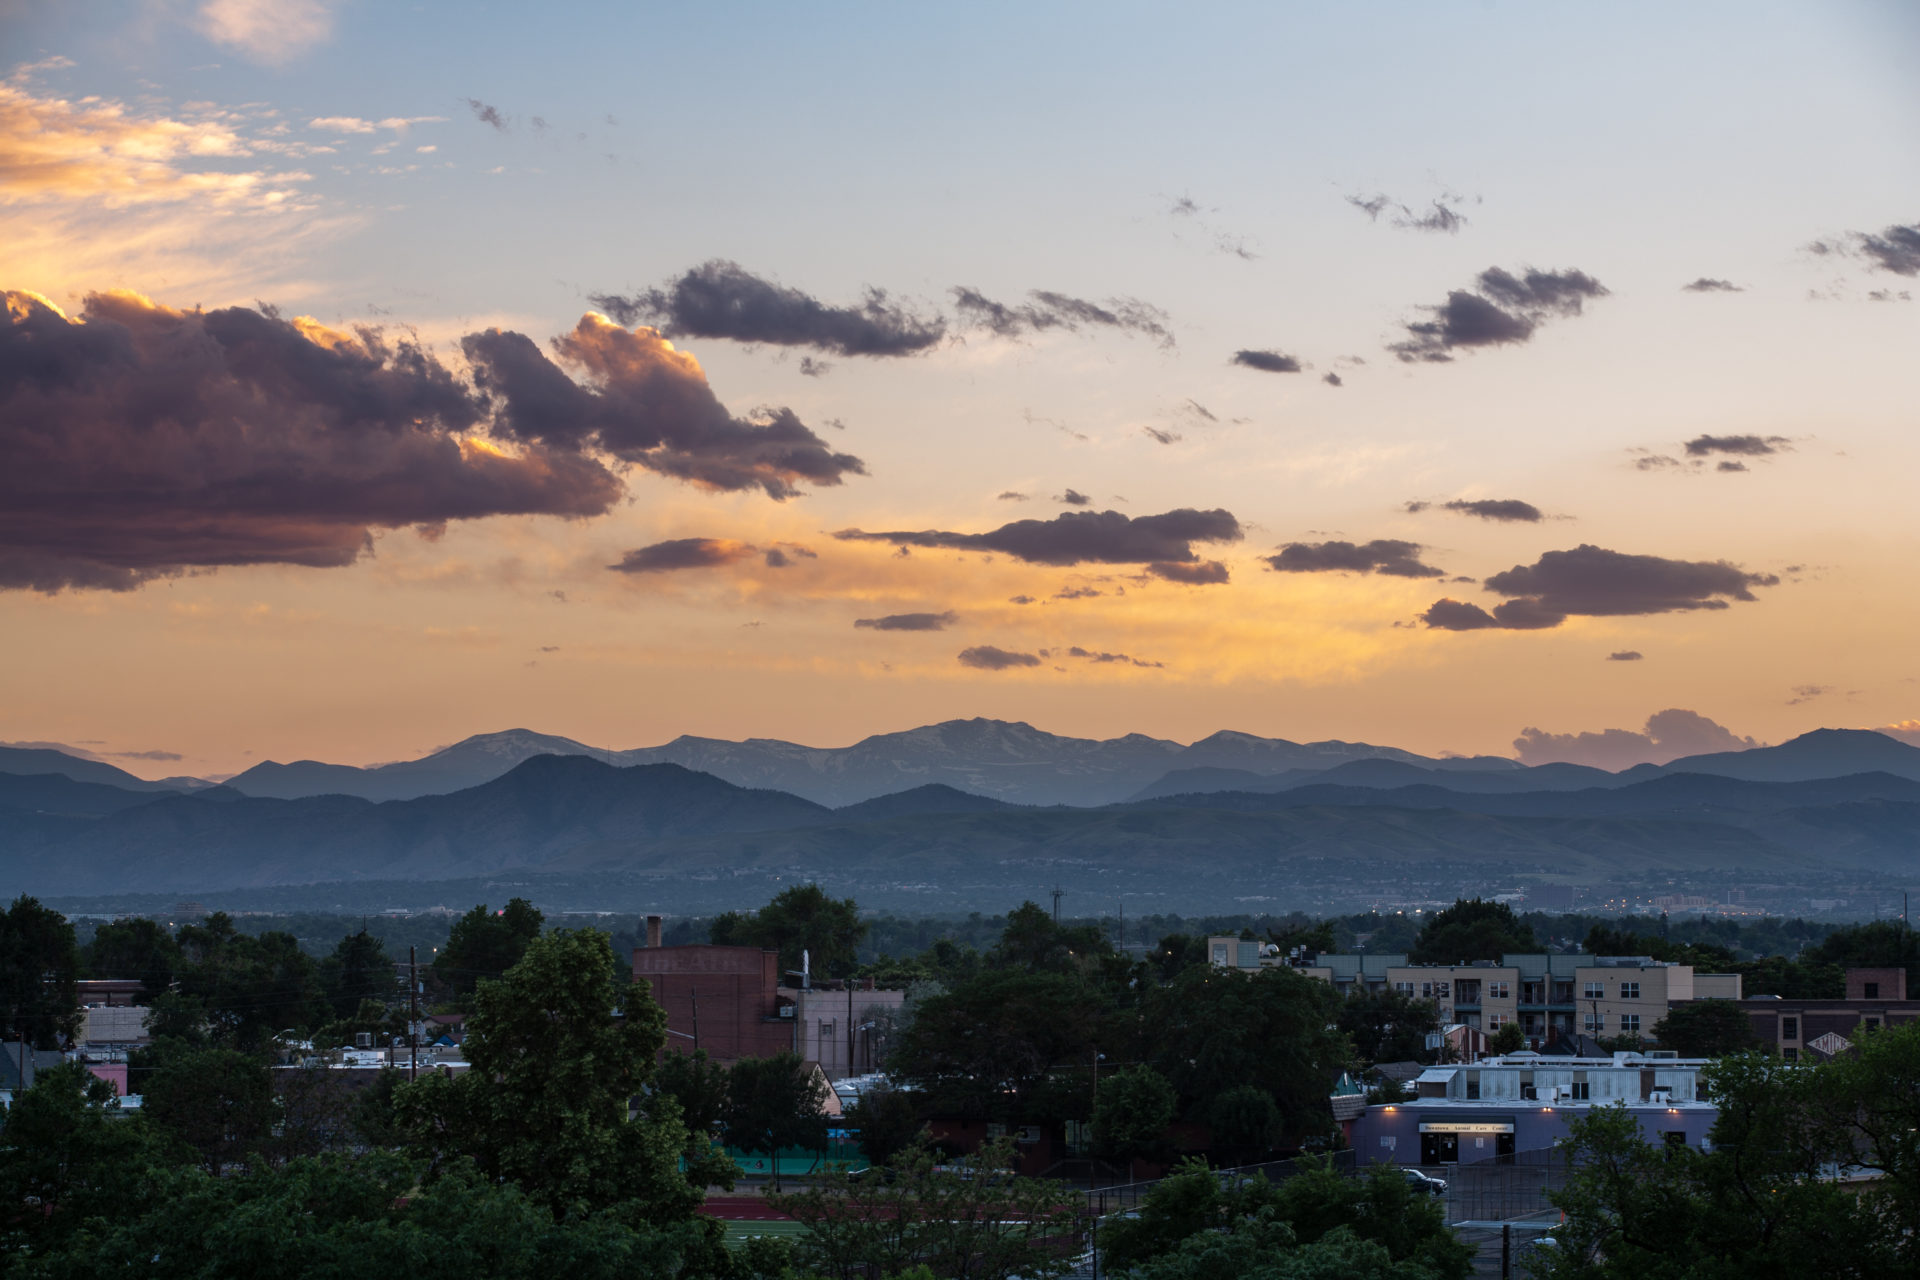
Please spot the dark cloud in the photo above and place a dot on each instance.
(1162, 437)
(811, 368)
(1073, 498)
(1013, 495)
(1020, 600)
(1383, 555)
(488, 115)
(1669, 735)
(1117, 659)
(549, 648)
(683, 553)
(776, 558)
(1808, 692)
(1438, 217)
(1506, 509)
(647, 404)
(1889, 295)
(986, 657)
(1206, 573)
(1594, 582)
(1655, 462)
(1081, 537)
(142, 441)
(1746, 446)
(909, 622)
(1625, 655)
(1333, 380)
(1078, 593)
(147, 755)
(1506, 308)
(1706, 284)
(1047, 310)
(1267, 361)
(1895, 249)
(720, 299)
(1731, 466)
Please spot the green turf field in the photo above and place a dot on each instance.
(740, 1232)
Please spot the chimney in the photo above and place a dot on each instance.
(653, 931)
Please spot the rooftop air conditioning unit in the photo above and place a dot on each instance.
(363, 1039)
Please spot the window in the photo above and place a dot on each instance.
(1498, 991)
(1789, 1028)
(1873, 990)
(1219, 953)
(1630, 1024)
(1870, 1021)
(1496, 1021)
(1473, 1088)
(1596, 1023)
(1596, 990)
(1443, 989)
(1629, 991)
(1791, 1055)
(1426, 990)
(1404, 988)
(1581, 1091)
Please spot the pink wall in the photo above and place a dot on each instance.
(114, 1073)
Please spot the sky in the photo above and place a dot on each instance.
(1521, 380)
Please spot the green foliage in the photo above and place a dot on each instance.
(971, 1219)
(65, 1156)
(216, 1103)
(357, 971)
(545, 1102)
(1471, 930)
(1177, 953)
(987, 1047)
(332, 1218)
(802, 918)
(1508, 1039)
(1213, 1029)
(1705, 1029)
(38, 962)
(1387, 1026)
(485, 944)
(133, 948)
(889, 1121)
(249, 988)
(1197, 1223)
(1245, 1123)
(1132, 1112)
(1764, 1202)
(775, 1102)
(1878, 944)
(699, 1085)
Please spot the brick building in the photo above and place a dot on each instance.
(1821, 1029)
(725, 1000)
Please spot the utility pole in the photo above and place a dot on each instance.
(693, 994)
(1058, 893)
(413, 1015)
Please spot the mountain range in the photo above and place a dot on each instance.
(1839, 799)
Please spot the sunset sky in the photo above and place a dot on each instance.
(378, 374)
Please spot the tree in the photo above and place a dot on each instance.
(698, 1085)
(1244, 1122)
(1508, 1039)
(1212, 1029)
(971, 1219)
(987, 1047)
(65, 1156)
(1132, 1112)
(485, 944)
(248, 989)
(1876, 944)
(1705, 1029)
(39, 1002)
(773, 1103)
(218, 1103)
(1317, 1223)
(1387, 1026)
(134, 948)
(888, 1121)
(802, 918)
(1472, 930)
(545, 1102)
(1766, 1200)
(357, 971)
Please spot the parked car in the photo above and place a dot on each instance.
(1425, 1181)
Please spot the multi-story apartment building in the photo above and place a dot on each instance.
(1597, 995)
